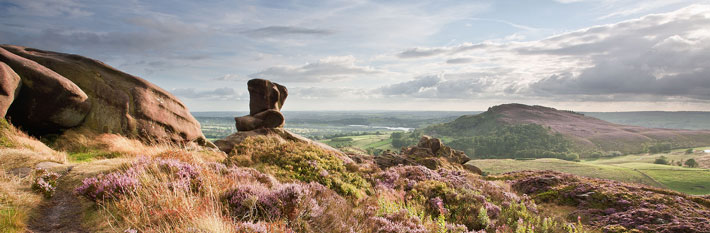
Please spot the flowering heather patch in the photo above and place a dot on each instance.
(108, 186)
(263, 227)
(616, 206)
(252, 202)
(45, 182)
(400, 221)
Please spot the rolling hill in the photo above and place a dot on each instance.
(522, 129)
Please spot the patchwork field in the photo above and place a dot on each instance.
(362, 142)
(630, 168)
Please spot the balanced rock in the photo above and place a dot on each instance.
(266, 99)
(9, 87)
(47, 101)
(99, 97)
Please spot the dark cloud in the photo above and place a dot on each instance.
(276, 31)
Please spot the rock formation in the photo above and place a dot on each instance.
(265, 101)
(47, 102)
(429, 152)
(61, 91)
(9, 87)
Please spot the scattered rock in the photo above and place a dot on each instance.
(9, 87)
(89, 94)
(265, 102)
(429, 152)
(47, 102)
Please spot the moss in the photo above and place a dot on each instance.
(91, 155)
(308, 163)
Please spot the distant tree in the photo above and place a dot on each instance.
(691, 163)
(659, 148)
(689, 151)
(661, 160)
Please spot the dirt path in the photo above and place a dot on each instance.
(61, 213)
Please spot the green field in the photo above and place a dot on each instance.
(630, 168)
(363, 142)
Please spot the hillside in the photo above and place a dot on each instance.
(584, 135)
(263, 178)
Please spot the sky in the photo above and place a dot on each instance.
(581, 55)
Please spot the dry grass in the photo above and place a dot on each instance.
(16, 202)
(21, 150)
(83, 140)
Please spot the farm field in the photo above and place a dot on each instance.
(629, 168)
(362, 142)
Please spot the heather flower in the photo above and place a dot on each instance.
(107, 186)
(438, 206)
(45, 182)
(400, 221)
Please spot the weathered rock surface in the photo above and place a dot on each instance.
(120, 103)
(429, 152)
(266, 99)
(47, 101)
(9, 87)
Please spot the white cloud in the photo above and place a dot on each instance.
(325, 70)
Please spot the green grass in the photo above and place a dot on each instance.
(91, 155)
(629, 168)
(497, 166)
(9, 220)
(365, 142)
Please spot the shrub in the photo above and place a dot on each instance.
(661, 160)
(299, 161)
(45, 182)
(691, 163)
(689, 151)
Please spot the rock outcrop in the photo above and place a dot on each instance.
(265, 119)
(47, 102)
(429, 152)
(9, 87)
(72, 91)
(265, 101)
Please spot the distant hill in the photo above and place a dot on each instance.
(517, 130)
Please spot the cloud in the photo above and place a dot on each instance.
(46, 8)
(327, 69)
(443, 86)
(659, 56)
(231, 77)
(461, 60)
(224, 93)
(276, 31)
(428, 52)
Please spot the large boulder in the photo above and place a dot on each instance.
(120, 103)
(47, 102)
(266, 99)
(9, 87)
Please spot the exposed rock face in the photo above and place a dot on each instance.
(429, 152)
(9, 87)
(265, 101)
(227, 144)
(47, 102)
(98, 97)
